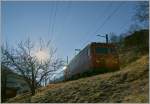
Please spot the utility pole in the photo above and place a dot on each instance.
(54, 79)
(106, 37)
(67, 60)
(66, 71)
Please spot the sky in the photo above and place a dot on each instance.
(69, 24)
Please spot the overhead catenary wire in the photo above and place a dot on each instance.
(54, 19)
(67, 14)
(65, 19)
(104, 12)
(124, 25)
(105, 21)
(108, 18)
(50, 20)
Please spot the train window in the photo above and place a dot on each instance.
(101, 50)
(89, 52)
(112, 50)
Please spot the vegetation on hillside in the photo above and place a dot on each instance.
(127, 85)
(133, 47)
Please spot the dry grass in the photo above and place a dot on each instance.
(127, 85)
(22, 98)
(50, 86)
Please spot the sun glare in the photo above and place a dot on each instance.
(65, 67)
(42, 55)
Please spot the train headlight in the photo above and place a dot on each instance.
(65, 67)
(100, 60)
(115, 61)
(97, 61)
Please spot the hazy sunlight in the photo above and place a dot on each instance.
(42, 55)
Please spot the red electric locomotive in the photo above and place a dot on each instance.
(95, 57)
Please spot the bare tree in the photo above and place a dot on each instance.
(4, 74)
(141, 16)
(24, 61)
(133, 28)
(142, 11)
(113, 38)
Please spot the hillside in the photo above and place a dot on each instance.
(130, 84)
(133, 46)
(11, 83)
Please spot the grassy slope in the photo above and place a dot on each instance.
(130, 84)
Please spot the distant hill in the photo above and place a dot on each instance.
(127, 85)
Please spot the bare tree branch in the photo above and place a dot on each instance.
(25, 63)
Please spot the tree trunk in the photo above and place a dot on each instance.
(4, 85)
(33, 90)
(33, 86)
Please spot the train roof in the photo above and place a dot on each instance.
(94, 44)
(101, 44)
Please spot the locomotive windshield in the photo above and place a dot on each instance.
(101, 50)
(112, 50)
(105, 50)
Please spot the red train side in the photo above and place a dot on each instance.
(95, 56)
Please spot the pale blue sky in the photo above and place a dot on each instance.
(70, 25)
